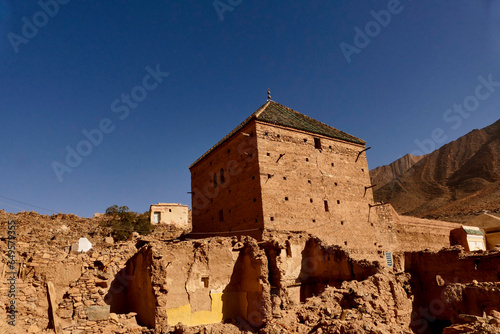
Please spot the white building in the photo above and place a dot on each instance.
(169, 213)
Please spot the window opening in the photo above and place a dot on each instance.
(317, 143)
(222, 178)
(157, 217)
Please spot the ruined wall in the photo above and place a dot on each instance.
(301, 266)
(139, 291)
(232, 203)
(248, 285)
(433, 272)
(473, 299)
(321, 191)
(209, 281)
(48, 270)
(170, 213)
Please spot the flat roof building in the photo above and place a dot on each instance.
(170, 213)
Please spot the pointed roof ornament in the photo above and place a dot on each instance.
(268, 95)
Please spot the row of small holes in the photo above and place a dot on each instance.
(314, 220)
(307, 159)
(310, 200)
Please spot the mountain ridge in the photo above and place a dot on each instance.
(452, 183)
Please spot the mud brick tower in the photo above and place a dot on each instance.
(282, 170)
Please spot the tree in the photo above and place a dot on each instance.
(124, 222)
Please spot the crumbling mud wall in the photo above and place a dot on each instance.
(329, 266)
(248, 285)
(56, 287)
(302, 266)
(241, 280)
(321, 288)
(378, 304)
(135, 293)
(197, 282)
(433, 272)
(473, 299)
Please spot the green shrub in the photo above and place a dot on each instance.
(122, 222)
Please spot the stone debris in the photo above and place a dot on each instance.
(73, 284)
(285, 283)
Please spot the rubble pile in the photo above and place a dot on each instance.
(84, 307)
(45, 256)
(474, 307)
(288, 283)
(378, 304)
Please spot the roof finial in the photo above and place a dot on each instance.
(268, 95)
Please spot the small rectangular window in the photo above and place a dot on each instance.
(326, 206)
(317, 143)
(221, 215)
(204, 279)
(388, 258)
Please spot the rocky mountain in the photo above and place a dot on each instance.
(384, 174)
(452, 183)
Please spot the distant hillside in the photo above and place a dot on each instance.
(382, 175)
(453, 183)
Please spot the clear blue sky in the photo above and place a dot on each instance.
(78, 68)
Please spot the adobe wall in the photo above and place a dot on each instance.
(492, 239)
(139, 291)
(170, 213)
(404, 233)
(301, 266)
(296, 186)
(235, 204)
(208, 281)
(433, 272)
(473, 298)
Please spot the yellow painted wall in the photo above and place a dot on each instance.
(184, 315)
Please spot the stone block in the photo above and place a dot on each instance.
(95, 313)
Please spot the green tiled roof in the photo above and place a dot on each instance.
(472, 230)
(275, 113)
